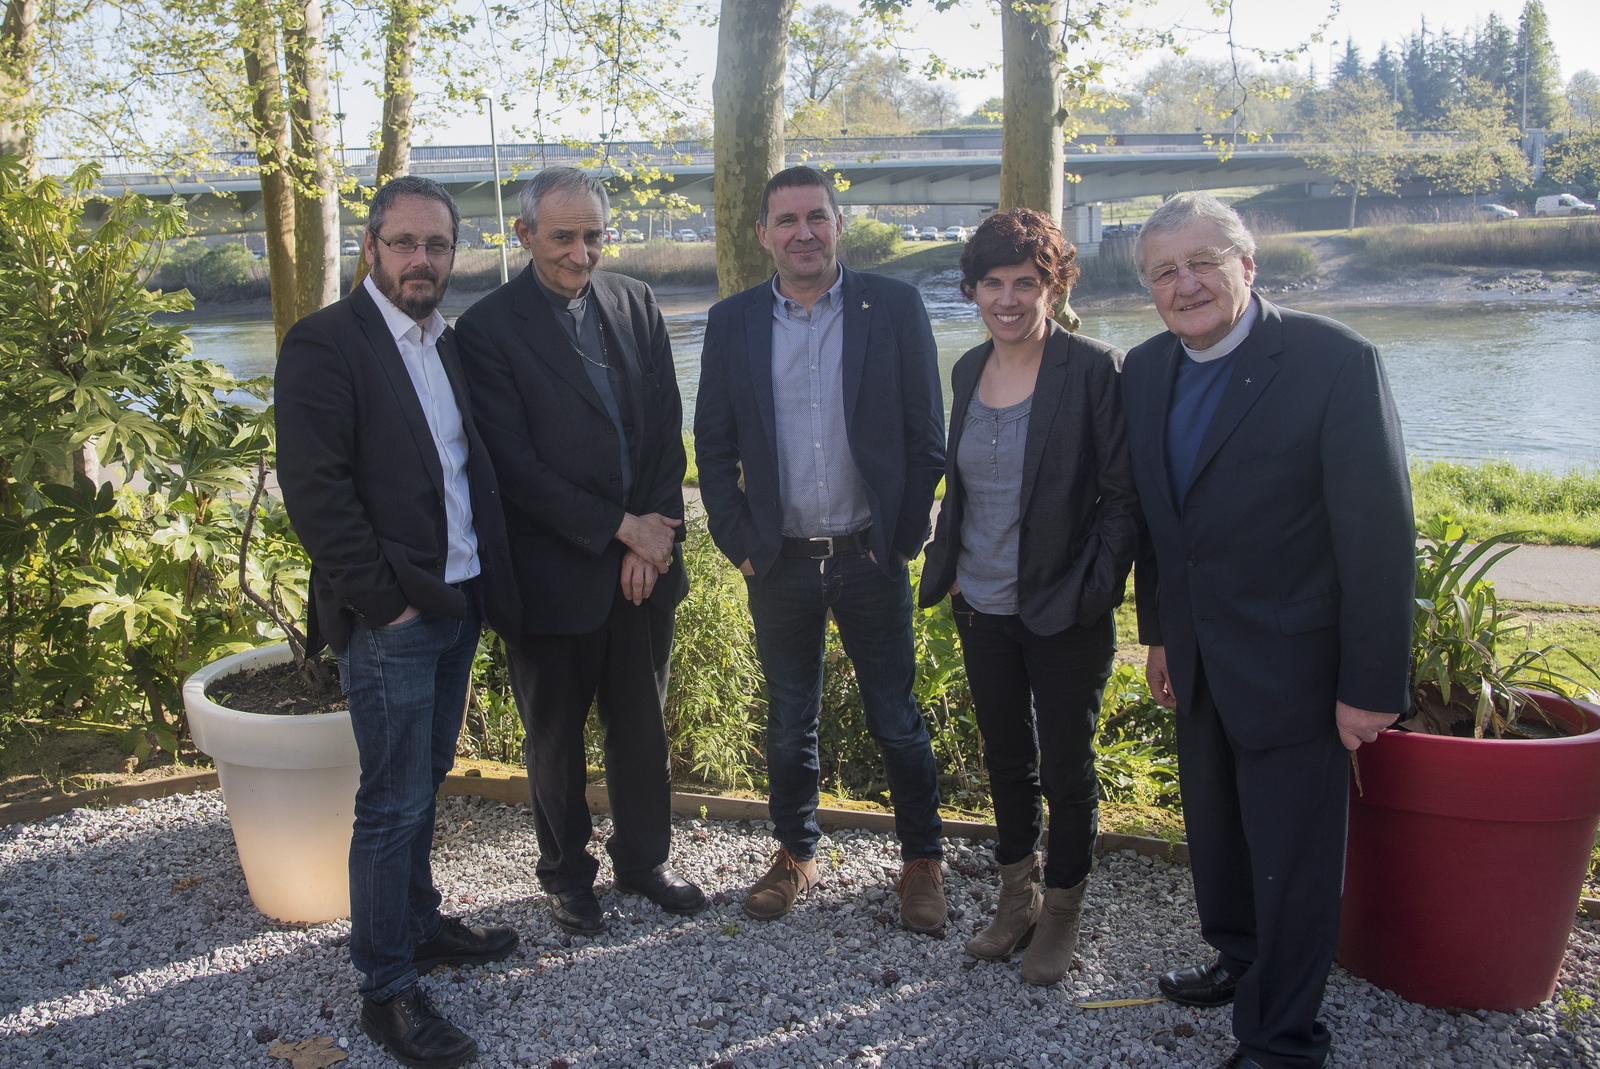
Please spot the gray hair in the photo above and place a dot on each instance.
(411, 185)
(1185, 208)
(563, 180)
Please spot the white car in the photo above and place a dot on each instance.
(350, 248)
(1560, 204)
(930, 233)
(1494, 213)
(686, 235)
(955, 233)
(908, 233)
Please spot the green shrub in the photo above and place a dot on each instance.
(1280, 261)
(217, 272)
(866, 243)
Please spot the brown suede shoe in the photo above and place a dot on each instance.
(1056, 938)
(774, 894)
(921, 887)
(1018, 911)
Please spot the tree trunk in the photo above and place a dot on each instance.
(316, 210)
(1355, 191)
(270, 126)
(747, 142)
(1032, 160)
(394, 146)
(17, 100)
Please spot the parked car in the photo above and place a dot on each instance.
(351, 247)
(908, 233)
(1493, 213)
(1560, 204)
(929, 233)
(630, 237)
(708, 233)
(955, 233)
(686, 235)
(613, 235)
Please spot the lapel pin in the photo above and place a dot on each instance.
(865, 306)
(1247, 382)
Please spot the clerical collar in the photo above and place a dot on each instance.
(1234, 339)
(575, 305)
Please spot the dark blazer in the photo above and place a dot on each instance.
(1290, 569)
(892, 405)
(556, 447)
(1080, 514)
(361, 477)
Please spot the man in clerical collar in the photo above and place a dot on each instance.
(575, 395)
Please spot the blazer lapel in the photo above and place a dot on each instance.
(617, 326)
(1047, 388)
(857, 323)
(405, 391)
(1169, 379)
(963, 384)
(548, 340)
(1254, 369)
(758, 351)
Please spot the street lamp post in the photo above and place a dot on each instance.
(499, 207)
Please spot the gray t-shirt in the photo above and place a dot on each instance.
(993, 441)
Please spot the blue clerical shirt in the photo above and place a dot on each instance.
(1202, 377)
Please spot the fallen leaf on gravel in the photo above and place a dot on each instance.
(118, 915)
(1114, 1003)
(264, 1034)
(90, 937)
(188, 882)
(315, 1052)
(1184, 1029)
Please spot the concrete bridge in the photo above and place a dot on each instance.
(924, 169)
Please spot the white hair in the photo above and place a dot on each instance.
(1185, 208)
(562, 179)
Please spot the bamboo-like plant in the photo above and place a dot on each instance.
(1460, 673)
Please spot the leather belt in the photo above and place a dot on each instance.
(824, 548)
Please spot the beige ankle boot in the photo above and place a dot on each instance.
(1056, 939)
(1013, 922)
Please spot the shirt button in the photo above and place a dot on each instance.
(611, 430)
(819, 445)
(1193, 561)
(822, 484)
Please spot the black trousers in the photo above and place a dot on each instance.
(621, 669)
(1037, 699)
(1266, 833)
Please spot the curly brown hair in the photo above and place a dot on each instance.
(1017, 236)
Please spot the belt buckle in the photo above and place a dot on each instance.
(828, 539)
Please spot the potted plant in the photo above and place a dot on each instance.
(1472, 822)
(289, 781)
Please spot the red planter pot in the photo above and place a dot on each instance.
(1466, 862)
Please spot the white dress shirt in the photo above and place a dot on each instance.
(419, 348)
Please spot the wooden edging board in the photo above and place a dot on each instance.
(513, 790)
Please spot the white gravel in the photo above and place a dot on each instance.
(104, 963)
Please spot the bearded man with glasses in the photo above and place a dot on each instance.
(394, 498)
(1274, 595)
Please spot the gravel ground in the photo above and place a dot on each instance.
(127, 938)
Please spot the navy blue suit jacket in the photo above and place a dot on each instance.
(1289, 571)
(892, 405)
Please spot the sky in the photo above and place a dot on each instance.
(969, 36)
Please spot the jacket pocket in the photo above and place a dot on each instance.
(1298, 617)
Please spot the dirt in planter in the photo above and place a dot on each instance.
(276, 689)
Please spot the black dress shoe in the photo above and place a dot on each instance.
(1206, 986)
(411, 1029)
(456, 944)
(1237, 1060)
(666, 889)
(577, 911)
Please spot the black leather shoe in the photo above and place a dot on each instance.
(577, 911)
(1206, 986)
(1237, 1060)
(666, 889)
(414, 1033)
(456, 944)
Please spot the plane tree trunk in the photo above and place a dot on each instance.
(18, 44)
(270, 128)
(394, 144)
(316, 210)
(1032, 159)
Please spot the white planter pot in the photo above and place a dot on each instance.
(290, 786)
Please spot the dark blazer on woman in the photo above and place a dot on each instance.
(362, 481)
(556, 447)
(1080, 515)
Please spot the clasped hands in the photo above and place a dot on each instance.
(649, 539)
(1356, 726)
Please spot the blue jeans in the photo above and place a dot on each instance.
(407, 686)
(790, 608)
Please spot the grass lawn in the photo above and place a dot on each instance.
(1496, 496)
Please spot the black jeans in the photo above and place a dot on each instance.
(1037, 698)
(621, 669)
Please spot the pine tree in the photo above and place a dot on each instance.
(1350, 68)
(1541, 70)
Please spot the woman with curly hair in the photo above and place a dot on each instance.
(1037, 532)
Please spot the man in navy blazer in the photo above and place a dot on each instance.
(819, 434)
(1276, 602)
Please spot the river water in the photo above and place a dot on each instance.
(1499, 379)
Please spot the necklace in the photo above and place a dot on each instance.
(573, 308)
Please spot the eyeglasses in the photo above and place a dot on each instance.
(437, 250)
(1204, 265)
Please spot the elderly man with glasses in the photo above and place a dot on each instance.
(1275, 599)
(393, 496)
